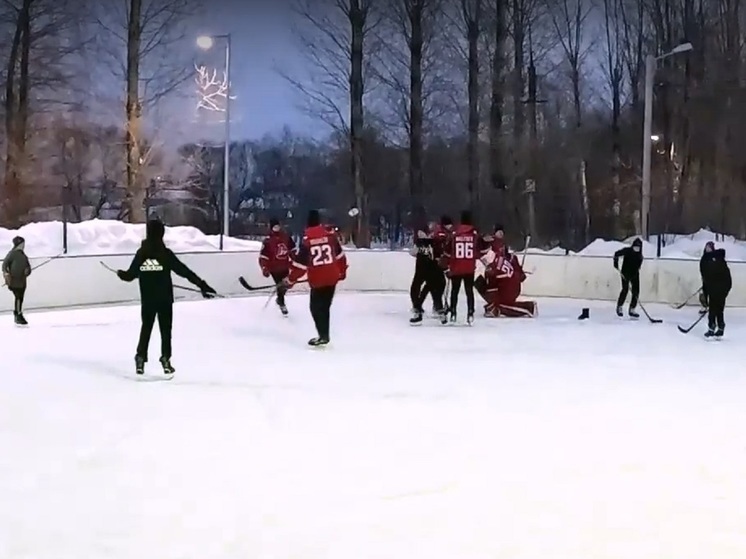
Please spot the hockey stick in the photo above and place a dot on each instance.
(249, 287)
(525, 250)
(47, 261)
(687, 330)
(642, 308)
(684, 304)
(182, 287)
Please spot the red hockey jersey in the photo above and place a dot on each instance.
(320, 256)
(274, 257)
(464, 249)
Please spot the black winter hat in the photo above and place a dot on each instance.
(17, 241)
(314, 218)
(499, 227)
(637, 242)
(274, 221)
(446, 220)
(155, 230)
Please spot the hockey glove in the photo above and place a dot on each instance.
(265, 272)
(120, 275)
(286, 282)
(207, 291)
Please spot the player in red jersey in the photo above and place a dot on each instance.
(466, 246)
(321, 258)
(274, 259)
(501, 286)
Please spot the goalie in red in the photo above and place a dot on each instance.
(500, 287)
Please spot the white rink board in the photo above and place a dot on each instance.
(82, 280)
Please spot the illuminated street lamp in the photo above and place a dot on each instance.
(206, 42)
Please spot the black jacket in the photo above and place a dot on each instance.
(716, 278)
(424, 249)
(631, 260)
(152, 266)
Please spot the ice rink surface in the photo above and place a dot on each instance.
(521, 439)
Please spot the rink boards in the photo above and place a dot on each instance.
(82, 280)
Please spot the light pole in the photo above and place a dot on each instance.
(651, 64)
(206, 42)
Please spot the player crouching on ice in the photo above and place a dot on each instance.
(500, 287)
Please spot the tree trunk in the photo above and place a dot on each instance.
(357, 122)
(135, 186)
(16, 116)
(415, 103)
(497, 178)
(616, 154)
(519, 118)
(473, 24)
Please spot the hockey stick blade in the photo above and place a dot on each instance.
(248, 287)
(687, 330)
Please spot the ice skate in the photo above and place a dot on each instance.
(168, 369)
(139, 365)
(633, 313)
(318, 342)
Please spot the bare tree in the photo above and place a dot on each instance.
(145, 40)
(44, 36)
(333, 35)
(614, 70)
(472, 14)
(409, 70)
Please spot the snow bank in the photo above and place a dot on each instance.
(680, 247)
(100, 236)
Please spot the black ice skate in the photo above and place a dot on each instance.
(633, 313)
(620, 312)
(20, 319)
(283, 309)
(453, 317)
(719, 333)
(318, 342)
(710, 333)
(139, 365)
(416, 318)
(168, 369)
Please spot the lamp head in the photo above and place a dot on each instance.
(205, 42)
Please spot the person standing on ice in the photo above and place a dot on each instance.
(631, 263)
(716, 284)
(321, 258)
(274, 259)
(152, 267)
(16, 270)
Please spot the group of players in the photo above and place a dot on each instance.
(714, 272)
(444, 253)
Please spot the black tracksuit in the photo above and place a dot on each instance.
(152, 266)
(428, 276)
(631, 263)
(716, 284)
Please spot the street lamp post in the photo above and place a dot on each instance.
(651, 64)
(206, 42)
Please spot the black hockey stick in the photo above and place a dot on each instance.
(687, 330)
(645, 312)
(249, 287)
(182, 287)
(685, 303)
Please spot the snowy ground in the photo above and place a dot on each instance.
(545, 439)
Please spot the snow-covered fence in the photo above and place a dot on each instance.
(81, 280)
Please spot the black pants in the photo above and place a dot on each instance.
(468, 282)
(629, 281)
(428, 280)
(716, 310)
(277, 277)
(321, 304)
(18, 293)
(165, 315)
